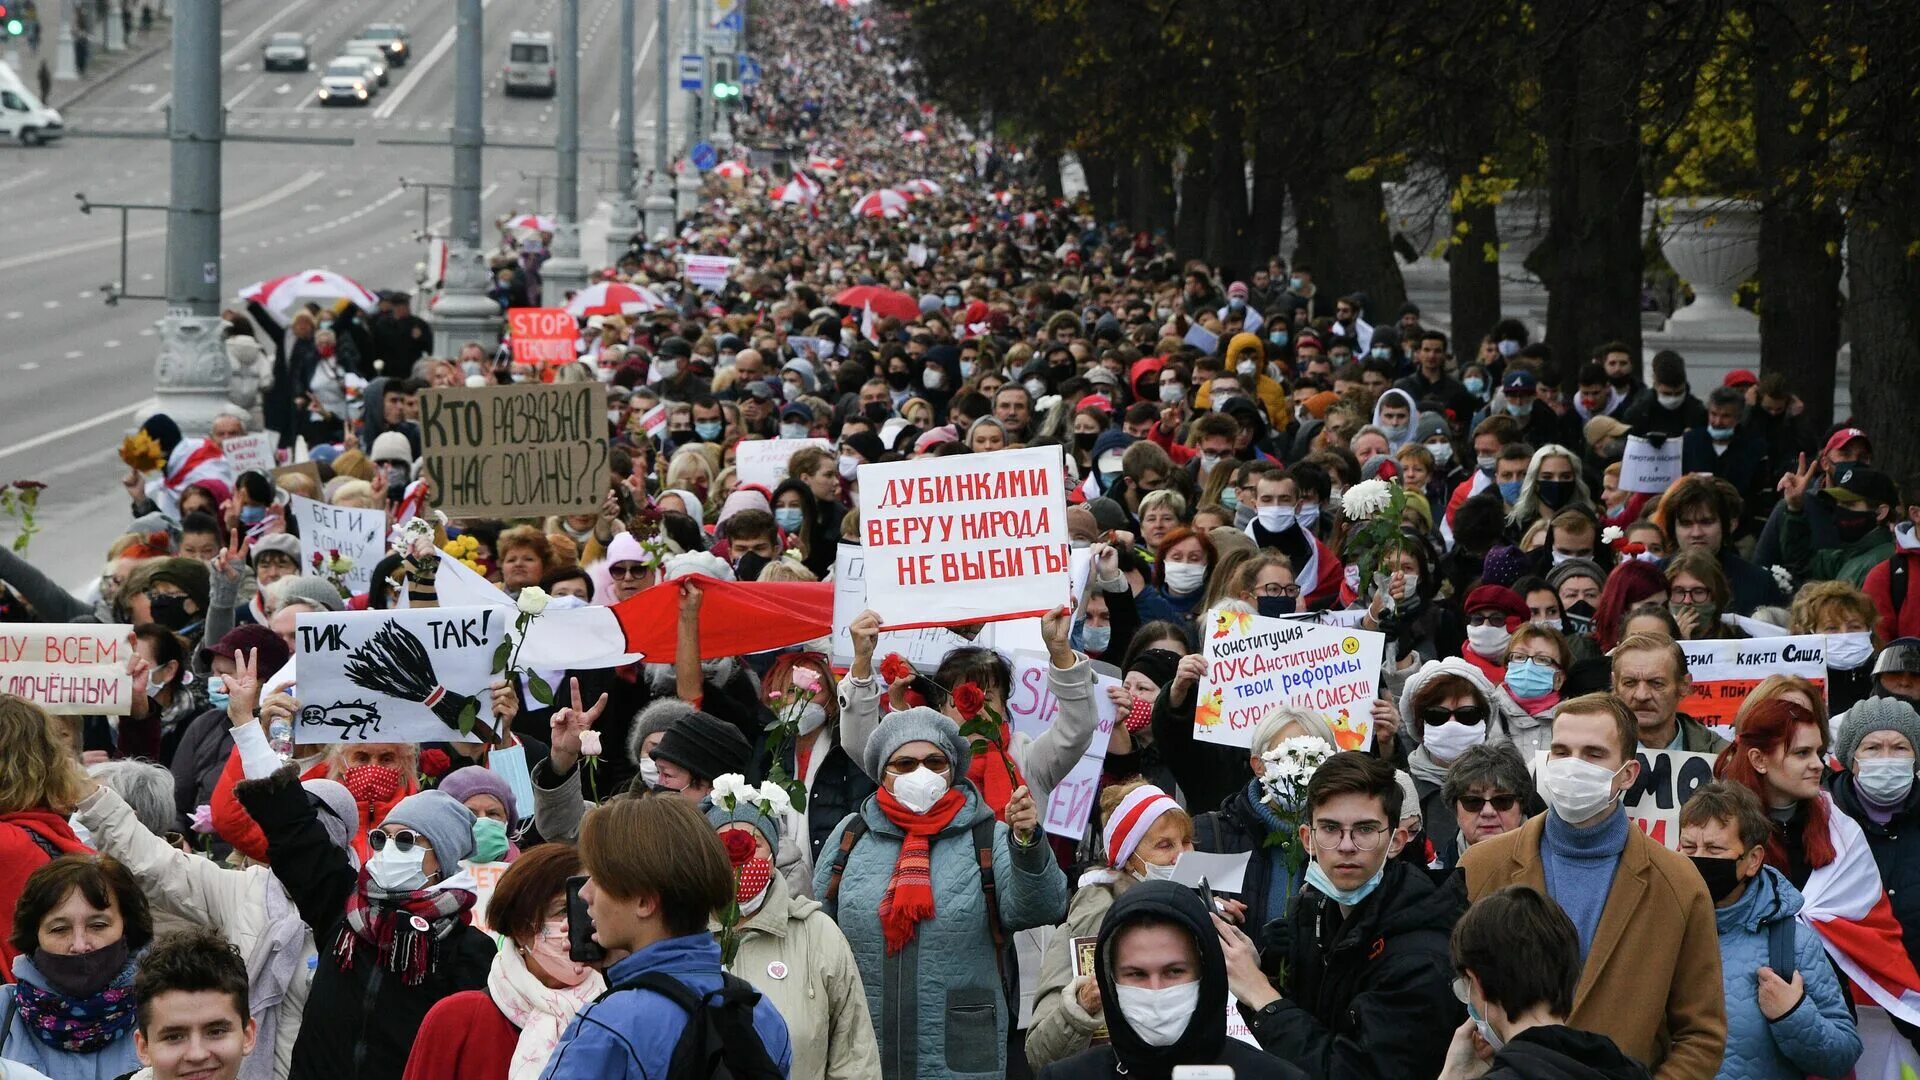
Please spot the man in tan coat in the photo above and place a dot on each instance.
(1651, 977)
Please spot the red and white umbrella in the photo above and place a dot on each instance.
(914, 136)
(324, 287)
(826, 165)
(612, 298)
(886, 203)
(532, 222)
(1002, 197)
(732, 170)
(802, 190)
(918, 188)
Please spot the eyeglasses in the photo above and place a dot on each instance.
(627, 570)
(1496, 618)
(1502, 803)
(404, 840)
(1690, 596)
(901, 766)
(1542, 659)
(1277, 590)
(1366, 835)
(1435, 715)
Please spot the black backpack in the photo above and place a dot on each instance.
(719, 1041)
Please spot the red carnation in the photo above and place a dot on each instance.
(740, 846)
(435, 763)
(968, 700)
(895, 667)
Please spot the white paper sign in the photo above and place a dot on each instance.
(326, 530)
(708, 271)
(1255, 663)
(1648, 468)
(1222, 873)
(764, 461)
(965, 539)
(396, 676)
(1725, 670)
(68, 669)
(1032, 708)
(252, 452)
(1202, 338)
(923, 648)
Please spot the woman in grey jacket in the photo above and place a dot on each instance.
(907, 879)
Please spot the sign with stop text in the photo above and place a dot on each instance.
(516, 451)
(542, 336)
(68, 669)
(1725, 671)
(968, 539)
(1255, 663)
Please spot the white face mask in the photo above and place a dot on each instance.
(1036, 388)
(1308, 515)
(1172, 393)
(1671, 401)
(920, 789)
(759, 900)
(1446, 742)
(1185, 579)
(849, 466)
(812, 716)
(1578, 791)
(1153, 871)
(394, 871)
(1159, 1017)
(1275, 518)
(666, 369)
(933, 378)
(1551, 624)
(649, 771)
(1246, 368)
(1885, 780)
(1848, 651)
(1489, 641)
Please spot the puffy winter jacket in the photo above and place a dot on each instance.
(1897, 618)
(1816, 1037)
(937, 1004)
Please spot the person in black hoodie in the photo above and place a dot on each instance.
(1518, 960)
(1364, 991)
(1163, 993)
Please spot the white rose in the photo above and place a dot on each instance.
(590, 743)
(1611, 533)
(533, 600)
(730, 788)
(777, 800)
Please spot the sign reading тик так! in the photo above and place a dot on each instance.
(966, 539)
(516, 451)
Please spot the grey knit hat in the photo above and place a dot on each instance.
(1875, 714)
(443, 820)
(1575, 568)
(656, 717)
(334, 806)
(918, 724)
(748, 813)
(310, 590)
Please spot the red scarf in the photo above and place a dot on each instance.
(909, 895)
(994, 773)
(405, 932)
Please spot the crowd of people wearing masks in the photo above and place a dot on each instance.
(811, 859)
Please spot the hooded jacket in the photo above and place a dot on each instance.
(1368, 994)
(1816, 1037)
(1413, 417)
(1557, 1052)
(1205, 1040)
(1897, 618)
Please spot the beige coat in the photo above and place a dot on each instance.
(793, 952)
(1060, 1027)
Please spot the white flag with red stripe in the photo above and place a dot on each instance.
(1847, 904)
(192, 461)
(654, 420)
(870, 326)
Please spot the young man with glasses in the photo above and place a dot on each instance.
(1365, 991)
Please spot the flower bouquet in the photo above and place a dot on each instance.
(1288, 767)
(18, 500)
(732, 791)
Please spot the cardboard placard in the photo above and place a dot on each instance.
(1255, 663)
(308, 469)
(326, 530)
(923, 648)
(68, 669)
(486, 878)
(1725, 671)
(1668, 778)
(525, 450)
(542, 337)
(966, 539)
(396, 676)
(1032, 708)
(764, 461)
(1648, 468)
(252, 452)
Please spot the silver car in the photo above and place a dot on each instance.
(392, 37)
(372, 53)
(285, 52)
(346, 82)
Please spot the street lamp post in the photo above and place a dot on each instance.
(660, 186)
(192, 371)
(464, 312)
(626, 216)
(565, 271)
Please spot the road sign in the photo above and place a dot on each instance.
(719, 39)
(747, 70)
(693, 71)
(734, 21)
(728, 14)
(704, 156)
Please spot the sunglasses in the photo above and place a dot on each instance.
(626, 570)
(1465, 714)
(1473, 804)
(404, 840)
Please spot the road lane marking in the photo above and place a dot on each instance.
(418, 70)
(75, 429)
(293, 187)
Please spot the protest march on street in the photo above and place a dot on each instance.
(900, 625)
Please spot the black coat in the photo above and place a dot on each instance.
(1235, 828)
(359, 1023)
(839, 787)
(1368, 996)
(1896, 850)
(1743, 464)
(1103, 1063)
(1206, 772)
(1563, 1053)
(625, 698)
(399, 342)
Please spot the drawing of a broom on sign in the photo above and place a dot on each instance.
(394, 663)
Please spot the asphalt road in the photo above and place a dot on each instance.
(75, 373)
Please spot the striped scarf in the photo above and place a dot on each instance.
(405, 932)
(909, 895)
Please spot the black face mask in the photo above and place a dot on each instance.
(1854, 524)
(82, 975)
(169, 610)
(878, 412)
(1621, 381)
(1578, 618)
(1272, 607)
(1554, 494)
(1083, 440)
(1721, 875)
(899, 380)
(749, 566)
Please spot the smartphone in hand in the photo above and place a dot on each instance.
(581, 948)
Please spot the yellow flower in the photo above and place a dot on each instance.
(141, 453)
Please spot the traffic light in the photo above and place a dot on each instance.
(726, 91)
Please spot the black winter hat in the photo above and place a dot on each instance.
(705, 746)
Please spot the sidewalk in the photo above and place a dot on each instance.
(102, 65)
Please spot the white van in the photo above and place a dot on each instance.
(23, 115)
(530, 64)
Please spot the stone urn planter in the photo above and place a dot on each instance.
(1714, 245)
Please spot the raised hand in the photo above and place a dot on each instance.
(1793, 485)
(1023, 816)
(566, 726)
(243, 688)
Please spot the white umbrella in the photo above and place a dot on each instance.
(533, 222)
(324, 287)
(613, 298)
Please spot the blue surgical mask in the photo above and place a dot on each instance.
(1229, 498)
(708, 430)
(1720, 434)
(1528, 679)
(1380, 352)
(787, 517)
(1348, 897)
(1510, 491)
(793, 431)
(217, 692)
(489, 840)
(1395, 433)
(1476, 386)
(1278, 337)
(1095, 639)
(1519, 408)
(252, 515)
